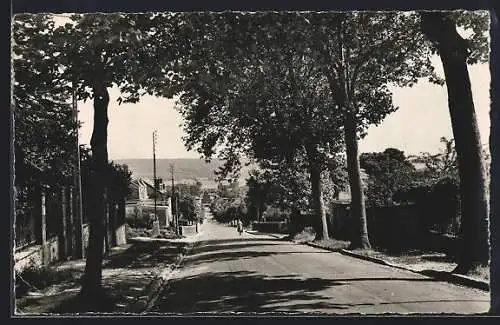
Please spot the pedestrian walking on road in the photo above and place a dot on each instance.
(240, 226)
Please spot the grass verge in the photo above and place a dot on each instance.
(415, 259)
(40, 278)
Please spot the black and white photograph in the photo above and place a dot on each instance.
(240, 163)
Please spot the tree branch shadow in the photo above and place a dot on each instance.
(249, 292)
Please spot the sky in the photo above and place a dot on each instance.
(417, 126)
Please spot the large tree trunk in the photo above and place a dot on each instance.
(340, 91)
(91, 287)
(358, 211)
(452, 47)
(321, 226)
(495, 172)
(296, 222)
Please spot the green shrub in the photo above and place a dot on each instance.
(276, 214)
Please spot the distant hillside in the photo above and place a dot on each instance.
(185, 169)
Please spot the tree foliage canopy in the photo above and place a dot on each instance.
(389, 171)
(44, 126)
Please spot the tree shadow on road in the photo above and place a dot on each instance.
(226, 254)
(205, 248)
(249, 292)
(238, 249)
(235, 292)
(239, 240)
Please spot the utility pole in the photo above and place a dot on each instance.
(154, 167)
(173, 200)
(78, 250)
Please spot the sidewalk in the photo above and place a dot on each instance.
(129, 274)
(438, 270)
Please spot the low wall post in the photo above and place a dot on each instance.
(114, 223)
(72, 233)
(45, 249)
(106, 224)
(63, 245)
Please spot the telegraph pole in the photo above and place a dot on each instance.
(154, 167)
(173, 200)
(78, 228)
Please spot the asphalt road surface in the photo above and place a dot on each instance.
(229, 273)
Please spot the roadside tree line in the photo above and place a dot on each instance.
(278, 88)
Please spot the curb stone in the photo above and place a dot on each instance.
(272, 235)
(153, 288)
(457, 278)
(371, 259)
(439, 275)
(317, 246)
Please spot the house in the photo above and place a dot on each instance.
(141, 201)
(159, 191)
(138, 191)
(142, 189)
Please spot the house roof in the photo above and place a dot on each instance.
(148, 183)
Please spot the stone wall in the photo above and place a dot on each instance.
(120, 235)
(47, 248)
(32, 256)
(29, 256)
(188, 230)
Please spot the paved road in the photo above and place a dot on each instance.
(227, 273)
